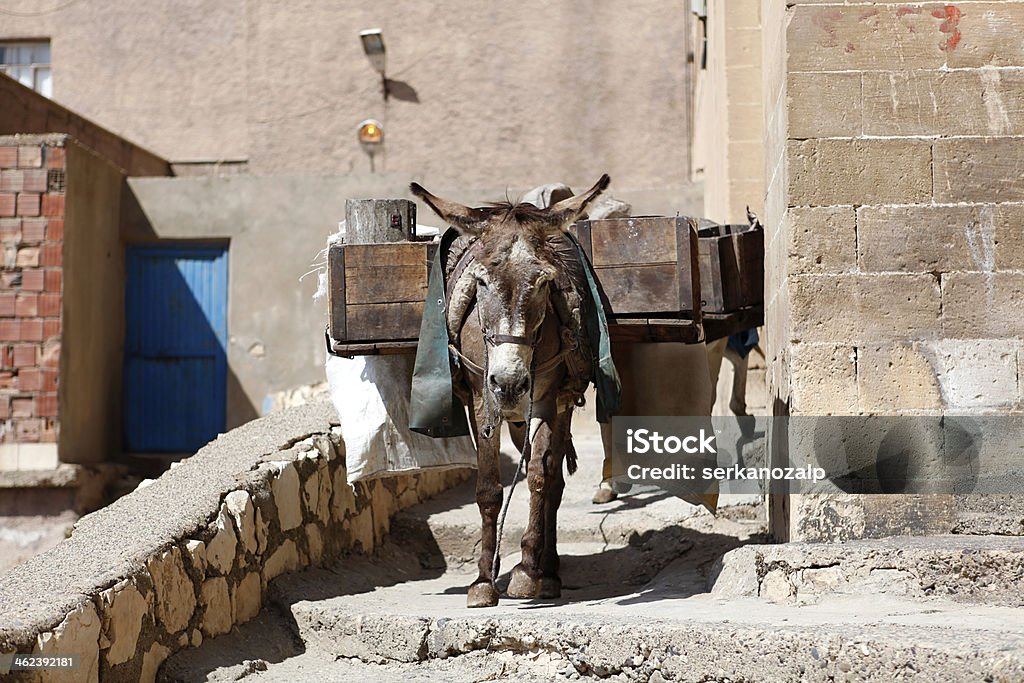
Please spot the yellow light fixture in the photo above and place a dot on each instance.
(371, 133)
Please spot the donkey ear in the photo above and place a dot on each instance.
(569, 210)
(462, 218)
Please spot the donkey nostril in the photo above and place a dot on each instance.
(492, 381)
(523, 385)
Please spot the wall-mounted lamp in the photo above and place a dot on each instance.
(371, 137)
(373, 46)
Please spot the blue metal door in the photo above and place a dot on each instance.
(175, 368)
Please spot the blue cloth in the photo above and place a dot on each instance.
(743, 342)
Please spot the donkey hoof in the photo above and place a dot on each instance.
(550, 587)
(522, 585)
(482, 595)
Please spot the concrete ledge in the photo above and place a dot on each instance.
(191, 554)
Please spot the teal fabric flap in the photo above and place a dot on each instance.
(434, 409)
(606, 377)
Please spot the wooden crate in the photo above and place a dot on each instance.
(376, 291)
(731, 267)
(647, 266)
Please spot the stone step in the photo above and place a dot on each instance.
(986, 570)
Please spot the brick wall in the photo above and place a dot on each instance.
(32, 233)
(895, 158)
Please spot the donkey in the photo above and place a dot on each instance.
(516, 296)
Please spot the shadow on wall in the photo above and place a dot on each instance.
(179, 390)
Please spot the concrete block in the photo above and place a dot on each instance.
(822, 240)
(832, 172)
(822, 105)
(983, 101)
(983, 305)
(977, 373)
(896, 377)
(823, 379)
(854, 308)
(979, 169)
(920, 239)
(175, 595)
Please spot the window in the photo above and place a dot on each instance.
(29, 64)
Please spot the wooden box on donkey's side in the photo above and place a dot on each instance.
(648, 268)
(377, 291)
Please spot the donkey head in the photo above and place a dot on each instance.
(513, 276)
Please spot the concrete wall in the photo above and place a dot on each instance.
(895, 248)
(730, 120)
(482, 97)
(93, 310)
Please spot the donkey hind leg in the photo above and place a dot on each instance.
(525, 581)
(550, 582)
(488, 498)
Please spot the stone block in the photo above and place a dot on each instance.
(897, 377)
(311, 494)
(78, 634)
(1009, 242)
(316, 543)
(921, 239)
(974, 102)
(175, 594)
(822, 240)
(853, 308)
(197, 555)
(977, 373)
(222, 548)
(840, 172)
(983, 305)
(979, 169)
(824, 105)
(261, 532)
(360, 528)
(285, 489)
(344, 498)
(247, 598)
(323, 506)
(239, 505)
(216, 603)
(990, 34)
(824, 380)
(152, 661)
(284, 559)
(123, 610)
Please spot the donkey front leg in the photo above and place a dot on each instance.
(550, 582)
(488, 498)
(525, 581)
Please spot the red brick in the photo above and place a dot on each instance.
(8, 157)
(24, 355)
(30, 379)
(12, 180)
(8, 380)
(50, 429)
(8, 304)
(10, 229)
(6, 356)
(22, 407)
(33, 280)
(53, 205)
(34, 180)
(54, 157)
(53, 279)
(46, 405)
(7, 204)
(26, 305)
(5, 408)
(28, 430)
(10, 279)
(27, 257)
(55, 229)
(30, 157)
(10, 330)
(33, 230)
(50, 356)
(28, 203)
(48, 380)
(51, 329)
(32, 330)
(52, 255)
(49, 305)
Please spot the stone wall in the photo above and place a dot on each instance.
(191, 554)
(895, 214)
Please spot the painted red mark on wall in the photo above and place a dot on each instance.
(950, 14)
(826, 20)
(904, 11)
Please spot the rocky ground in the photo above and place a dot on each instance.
(646, 597)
